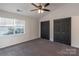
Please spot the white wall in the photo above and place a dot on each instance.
(31, 30)
(68, 10)
(75, 31)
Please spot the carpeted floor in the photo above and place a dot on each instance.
(39, 47)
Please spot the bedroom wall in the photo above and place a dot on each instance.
(67, 10)
(31, 30)
(75, 31)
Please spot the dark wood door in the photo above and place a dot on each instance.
(62, 30)
(45, 30)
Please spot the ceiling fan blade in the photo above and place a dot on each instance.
(34, 9)
(46, 10)
(34, 5)
(46, 4)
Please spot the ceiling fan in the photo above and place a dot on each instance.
(41, 8)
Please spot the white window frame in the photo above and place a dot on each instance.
(14, 27)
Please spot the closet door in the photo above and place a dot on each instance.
(45, 30)
(62, 30)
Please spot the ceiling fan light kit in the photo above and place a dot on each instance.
(40, 11)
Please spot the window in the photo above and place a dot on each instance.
(11, 26)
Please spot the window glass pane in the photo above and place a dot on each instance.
(19, 30)
(6, 30)
(6, 22)
(19, 23)
(19, 26)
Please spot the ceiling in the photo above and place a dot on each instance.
(25, 8)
